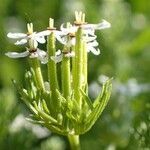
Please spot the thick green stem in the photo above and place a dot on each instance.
(84, 69)
(35, 64)
(65, 71)
(52, 72)
(77, 66)
(74, 142)
(66, 79)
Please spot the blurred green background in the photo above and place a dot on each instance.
(125, 55)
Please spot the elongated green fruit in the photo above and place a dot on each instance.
(77, 64)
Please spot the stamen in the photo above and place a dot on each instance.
(83, 17)
(51, 24)
(79, 18)
(30, 28)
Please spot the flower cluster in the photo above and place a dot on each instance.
(66, 36)
(62, 105)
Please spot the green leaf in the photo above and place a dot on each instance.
(44, 105)
(46, 117)
(87, 99)
(100, 104)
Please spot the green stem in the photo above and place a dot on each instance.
(66, 79)
(65, 71)
(77, 66)
(66, 82)
(35, 64)
(84, 69)
(52, 71)
(74, 142)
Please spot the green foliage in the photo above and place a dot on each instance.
(71, 119)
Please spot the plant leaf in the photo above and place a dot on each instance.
(100, 104)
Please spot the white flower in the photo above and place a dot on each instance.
(67, 35)
(40, 54)
(68, 30)
(59, 56)
(68, 38)
(23, 38)
(32, 37)
(91, 47)
(102, 25)
(88, 28)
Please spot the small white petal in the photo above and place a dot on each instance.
(93, 43)
(33, 55)
(43, 33)
(58, 52)
(103, 25)
(90, 32)
(93, 50)
(16, 35)
(61, 37)
(71, 29)
(44, 60)
(40, 39)
(63, 40)
(70, 54)
(73, 41)
(89, 27)
(32, 36)
(17, 55)
(42, 56)
(41, 52)
(59, 33)
(90, 38)
(21, 42)
(47, 86)
(63, 29)
(58, 57)
(35, 44)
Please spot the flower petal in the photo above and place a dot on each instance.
(43, 33)
(61, 39)
(72, 41)
(71, 29)
(93, 50)
(21, 42)
(90, 38)
(42, 56)
(33, 55)
(35, 44)
(93, 43)
(16, 35)
(58, 52)
(17, 55)
(40, 39)
(47, 86)
(103, 25)
(58, 57)
(70, 54)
